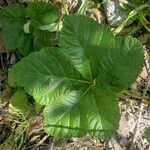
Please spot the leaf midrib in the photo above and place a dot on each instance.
(83, 48)
(76, 102)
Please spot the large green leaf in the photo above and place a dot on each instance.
(99, 55)
(79, 81)
(65, 93)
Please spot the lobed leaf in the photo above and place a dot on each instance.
(99, 55)
(79, 81)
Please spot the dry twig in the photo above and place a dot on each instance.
(135, 133)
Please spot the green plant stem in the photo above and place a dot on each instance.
(144, 21)
(135, 29)
(139, 115)
(131, 14)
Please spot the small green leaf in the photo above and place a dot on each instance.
(19, 102)
(147, 134)
(42, 13)
(26, 27)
